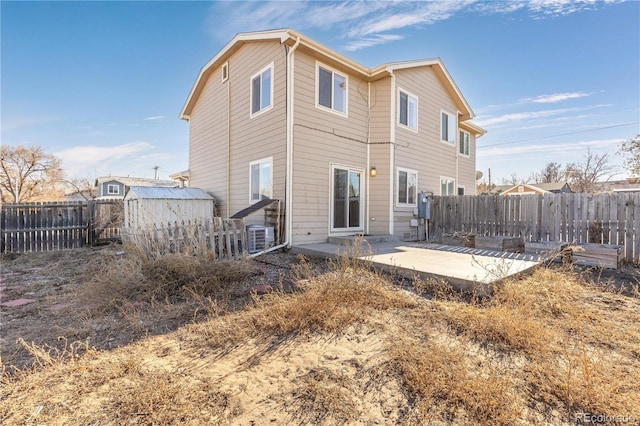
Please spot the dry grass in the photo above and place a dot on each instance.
(451, 390)
(174, 277)
(540, 350)
(349, 292)
(324, 397)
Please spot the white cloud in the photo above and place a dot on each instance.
(13, 123)
(550, 150)
(554, 98)
(82, 161)
(404, 14)
(154, 117)
(364, 23)
(371, 41)
(517, 117)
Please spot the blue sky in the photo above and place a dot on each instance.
(101, 84)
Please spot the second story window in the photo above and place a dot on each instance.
(332, 90)
(262, 90)
(408, 110)
(448, 125)
(113, 189)
(464, 142)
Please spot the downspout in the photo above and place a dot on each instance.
(228, 148)
(392, 155)
(289, 166)
(288, 202)
(367, 173)
(457, 148)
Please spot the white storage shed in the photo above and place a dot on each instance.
(145, 207)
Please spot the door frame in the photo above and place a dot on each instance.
(361, 170)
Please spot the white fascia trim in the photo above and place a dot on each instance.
(390, 67)
(474, 128)
(282, 35)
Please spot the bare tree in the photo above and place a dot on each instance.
(28, 174)
(552, 172)
(631, 150)
(82, 187)
(594, 168)
(514, 179)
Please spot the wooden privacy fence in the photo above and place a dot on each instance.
(575, 218)
(215, 238)
(32, 227)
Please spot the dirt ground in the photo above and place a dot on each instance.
(57, 315)
(60, 313)
(232, 356)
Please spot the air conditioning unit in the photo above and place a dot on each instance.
(259, 238)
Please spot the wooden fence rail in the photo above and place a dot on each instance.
(575, 218)
(33, 227)
(214, 238)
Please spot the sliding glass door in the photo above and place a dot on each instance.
(346, 205)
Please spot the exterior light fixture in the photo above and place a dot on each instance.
(373, 172)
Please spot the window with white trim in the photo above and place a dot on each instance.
(407, 109)
(113, 189)
(447, 186)
(260, 178)
(262, 90)
(464, 142)
(332, 89)
(448, 125)
(407, 187)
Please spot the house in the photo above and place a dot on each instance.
(181, 177)
(348, 148)
(537, 189)
(631, 184)
(116, 186)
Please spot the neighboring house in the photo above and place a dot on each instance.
(346, 147)
(116, 186)
(537, 188)
(627, 185)
(181, 177)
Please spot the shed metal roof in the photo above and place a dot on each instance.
(163, 193)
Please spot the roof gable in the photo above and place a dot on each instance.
(290, 37)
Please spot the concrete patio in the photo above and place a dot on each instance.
(464, 268)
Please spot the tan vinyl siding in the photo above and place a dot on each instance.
(367, 135)
(467, 168)
(208, 141)
(423, 151)
(317, 145)
(379, 153)
(262, 136)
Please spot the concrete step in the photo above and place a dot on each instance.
(371, 239)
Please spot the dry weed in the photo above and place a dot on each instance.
(448, 388)
(118, 280)
(324, 397)
(584, 379)
(99, 389)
